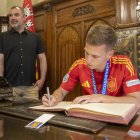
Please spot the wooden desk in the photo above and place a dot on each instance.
(13, 120)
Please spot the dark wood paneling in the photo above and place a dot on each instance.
(85, 10)
(68, 50)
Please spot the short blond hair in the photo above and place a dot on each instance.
(101, 34)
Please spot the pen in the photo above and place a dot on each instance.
(48, 93)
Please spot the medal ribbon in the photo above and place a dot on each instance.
(105, 80)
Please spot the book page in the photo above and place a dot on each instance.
(121, 109)
(60, 107)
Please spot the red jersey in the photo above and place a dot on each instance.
(122, 78)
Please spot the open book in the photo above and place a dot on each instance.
(109, 112)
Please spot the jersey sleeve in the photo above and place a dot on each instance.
(71, 79)
(131, 81)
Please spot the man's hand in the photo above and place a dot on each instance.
(39, 83)
(47, 102)
(100, 98)
(94, 98)
(56, 97)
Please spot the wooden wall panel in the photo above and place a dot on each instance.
(50, 52)
(68, 50)
(126, 11)
(40, 22)
(85, 10)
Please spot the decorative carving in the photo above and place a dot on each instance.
(138, 12)
(75, 26)
(128, 44)
(47, 7)
(68, 44)
(138, 15)
(125, 46)
(111, 20)
(83, 10)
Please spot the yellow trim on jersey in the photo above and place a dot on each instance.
(77, 62)
(124, 61)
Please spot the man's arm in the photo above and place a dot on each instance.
(43, 70)
(129, 98)
(57, 96)
(1, 64)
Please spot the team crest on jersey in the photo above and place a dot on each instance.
(65, 78)
(112, 85)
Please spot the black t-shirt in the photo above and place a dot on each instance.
(20, 54)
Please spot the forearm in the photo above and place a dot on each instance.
(56, 97)
(59, 94)
(99, 98)
(43, 68)
(130, 98)
(43, 71)
(122, 99)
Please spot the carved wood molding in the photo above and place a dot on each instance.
(138, 15)
(122, 26)
(111, 20)
(46, 5)
(83, 10)
(43, 6)
(76, 27)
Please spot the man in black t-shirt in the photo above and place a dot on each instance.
(19, 50)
